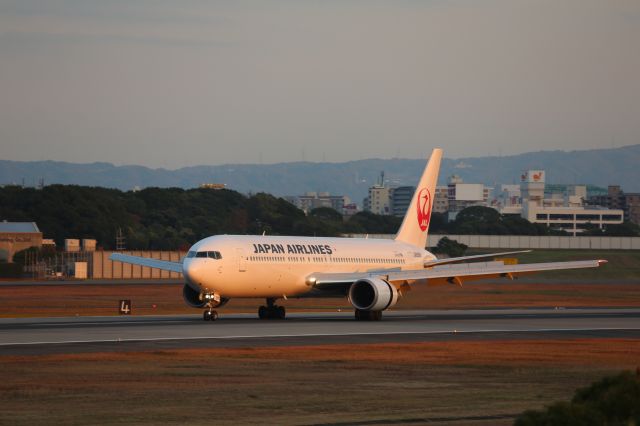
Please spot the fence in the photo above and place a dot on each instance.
(531, 242)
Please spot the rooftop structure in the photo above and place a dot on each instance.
(17, 236)
(19, 227)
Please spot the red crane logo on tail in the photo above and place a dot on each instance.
(424, 209)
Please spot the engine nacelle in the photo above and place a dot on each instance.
(196, 299)
(372, 294)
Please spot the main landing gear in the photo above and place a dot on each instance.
(271, 311)
(368, 315)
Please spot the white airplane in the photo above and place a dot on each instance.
(371, 273)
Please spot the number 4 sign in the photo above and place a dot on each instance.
(125, 307)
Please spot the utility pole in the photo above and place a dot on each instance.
(120, 241)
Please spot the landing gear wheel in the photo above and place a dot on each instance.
(271, 311)
(368, 315)
(210, 315)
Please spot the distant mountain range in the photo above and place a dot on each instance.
(600, 167)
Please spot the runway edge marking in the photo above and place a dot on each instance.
(272, 336)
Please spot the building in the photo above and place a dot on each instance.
(462, 195)
(350, 209)
(379, 200)
(441, 199)
(400, 198)
(17, 236)
(216, 186)
(616, 198)
(575, 195)
(507, 199)
(560, 211)
(314, 200)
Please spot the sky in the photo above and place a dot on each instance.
(179, 83)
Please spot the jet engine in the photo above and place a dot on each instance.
(196, 299)
(372, 294)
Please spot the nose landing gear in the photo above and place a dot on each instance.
(271, 311)
(212, 299)
(210, 315)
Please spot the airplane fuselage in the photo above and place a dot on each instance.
(272, 266)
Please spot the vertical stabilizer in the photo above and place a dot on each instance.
(415, 226)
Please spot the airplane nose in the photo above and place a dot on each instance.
(193, 271)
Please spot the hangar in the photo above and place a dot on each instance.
(17, 236)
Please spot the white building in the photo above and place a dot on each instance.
(313, 200)
(560, 211)
(462, 195)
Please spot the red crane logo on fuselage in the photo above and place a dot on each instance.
(424, 209)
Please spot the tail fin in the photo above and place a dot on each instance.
(415, 226)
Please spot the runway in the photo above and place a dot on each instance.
(98, 334)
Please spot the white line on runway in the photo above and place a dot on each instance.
(198, 319)
(272, 336)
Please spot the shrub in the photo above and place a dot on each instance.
(452, 248)
(613, 401)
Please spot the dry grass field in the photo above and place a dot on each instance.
(458, 382)
(448, 383)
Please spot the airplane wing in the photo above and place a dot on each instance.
(145, 261)
(435, 262)
(456, 274)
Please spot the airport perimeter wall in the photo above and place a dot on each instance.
(531, 242)
(102, 268)
(542, 242)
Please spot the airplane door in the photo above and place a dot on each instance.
(242, 260)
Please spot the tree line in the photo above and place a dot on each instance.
(171, 218)
(174, 218)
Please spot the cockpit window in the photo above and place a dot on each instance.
(214, 255)
(210, 254)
